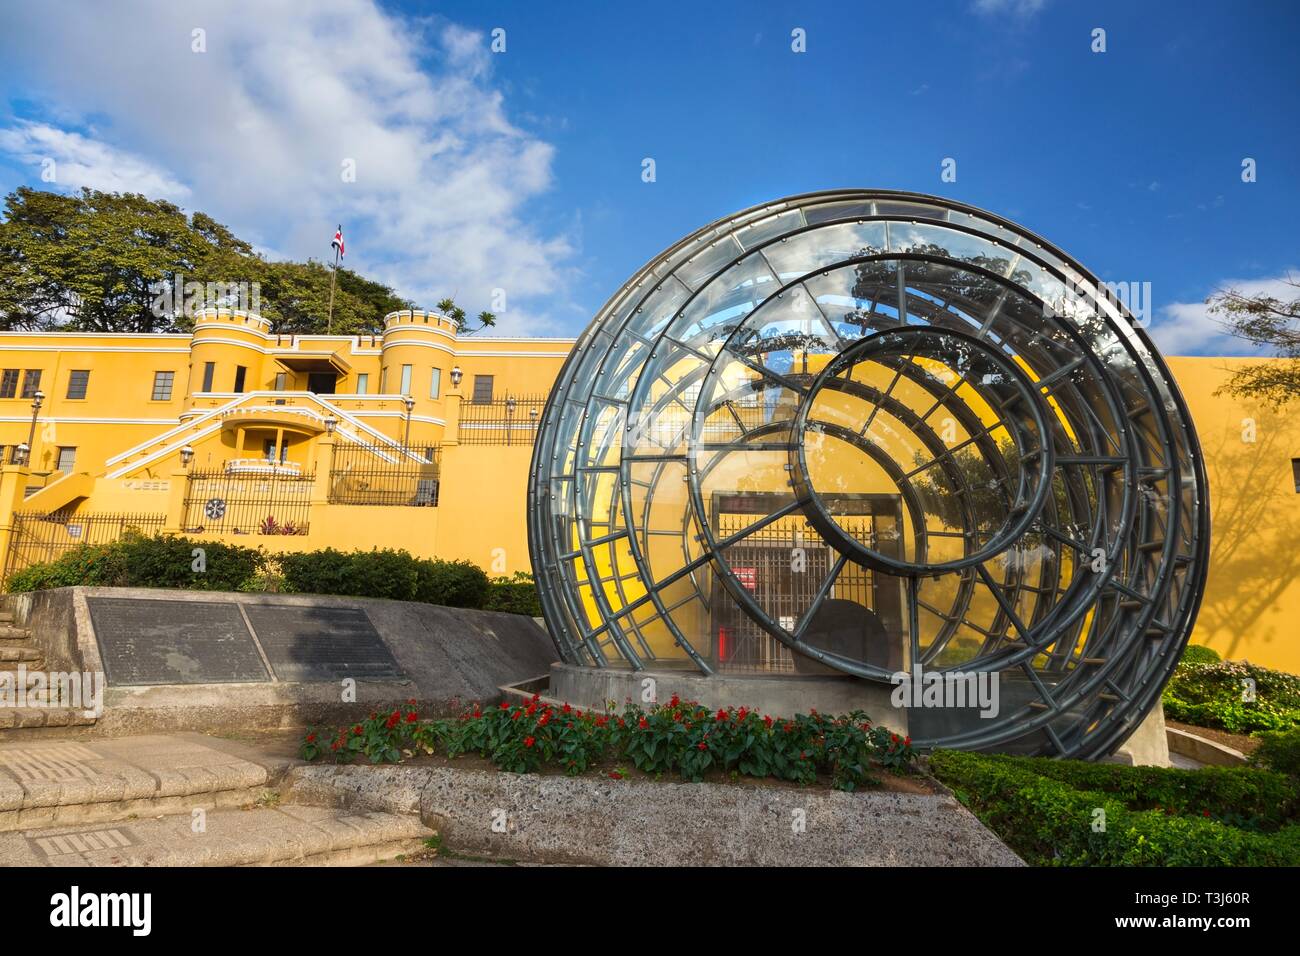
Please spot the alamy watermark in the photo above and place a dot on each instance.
(946, 689)
(37, 690)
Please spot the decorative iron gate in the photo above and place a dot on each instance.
(218, 502)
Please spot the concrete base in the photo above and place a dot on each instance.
(549, 818)
(1203, 751)
(779, 696)
(1148, 746)
(451, 656)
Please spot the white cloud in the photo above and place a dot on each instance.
(1188, 328)
(260, 125)
(79, 161)
(1016, 8)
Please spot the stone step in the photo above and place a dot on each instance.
(266, 836)
(13, 655)
(16, 667)
(12, 633)
(43, 718)
(6, 617)
(46, 782)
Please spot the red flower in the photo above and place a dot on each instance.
(893, 738)
(721, 715)
(529, 741)
(516, 715)
(311, 738)
(334, 746)
(643, 723)
(411, 701)
(675, 701)
(615, 775)
(702, 745)
(505, 705)
(907, 741)
(357, 730)
(767, 720)
(410, 718)
(567, 709)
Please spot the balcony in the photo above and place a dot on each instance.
(263, 466)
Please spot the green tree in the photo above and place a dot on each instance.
(97, 262)
(1270, 322)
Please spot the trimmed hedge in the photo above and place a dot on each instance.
(1279, 750)
(385, 573)
(167, 561)
(1048, 811)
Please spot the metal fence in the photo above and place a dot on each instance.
(512, 420)
(385, 475)
(38, 538)
(256, 504)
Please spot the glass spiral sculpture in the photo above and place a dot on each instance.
(877, 434)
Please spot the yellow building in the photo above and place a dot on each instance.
(420, 438)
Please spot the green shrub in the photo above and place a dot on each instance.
(164, 561)
(1215, 695)
(514, 595)
(1198, 654)
(1069, 813)
(1279, 750)
(450, 583)
(381, 573)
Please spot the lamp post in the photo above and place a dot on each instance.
(21, 452)
(38, 397)
(409, 402)
(187, 456)
(456, 376)
(510, 416)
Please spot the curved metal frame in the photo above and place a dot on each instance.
(642, 415)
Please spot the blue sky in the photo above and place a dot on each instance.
(521, 170)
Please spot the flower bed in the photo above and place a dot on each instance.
(679, 736)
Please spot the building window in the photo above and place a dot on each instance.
(383, 381)
(1295, 473)
(162, 386)
(482, 389)
(31, 382)
(9, 383)
(406, 380)
(268, 450)
(363, 383)
(240, 374)
(209, 373)
(281, 379)
(67, 459)
(435, 382)
(78, 379)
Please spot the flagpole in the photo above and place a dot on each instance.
(329, 322)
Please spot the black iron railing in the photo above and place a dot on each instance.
(384, 475)
(39, 538)
(248, 502)
(511, 420)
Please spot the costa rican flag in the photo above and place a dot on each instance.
(337, 242)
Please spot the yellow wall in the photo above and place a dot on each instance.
(1252, 600)
(128, 448)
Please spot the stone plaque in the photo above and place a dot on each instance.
(321, 643)
(174, 642)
